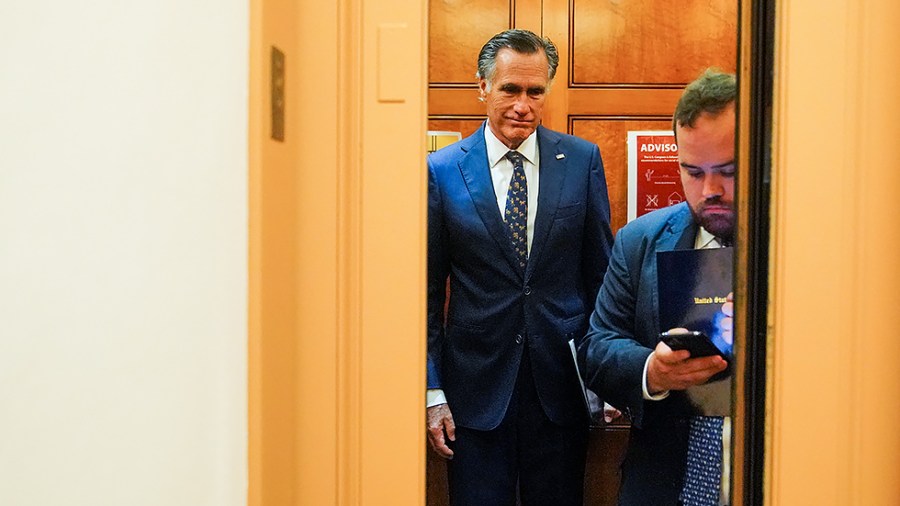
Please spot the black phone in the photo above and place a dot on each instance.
(694, 341)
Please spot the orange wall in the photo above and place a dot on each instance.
(293, 261)
(835, 298)
(337, 264)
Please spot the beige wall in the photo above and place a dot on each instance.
(835, 298)
(123, 179)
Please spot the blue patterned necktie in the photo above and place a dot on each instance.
(703, 472)
(516, 214)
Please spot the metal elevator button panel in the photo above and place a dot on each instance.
(519, 338)
(527, 290)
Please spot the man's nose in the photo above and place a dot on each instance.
(521, 106)
(712, 186)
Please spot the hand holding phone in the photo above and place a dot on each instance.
(696, 342)
(669, 371)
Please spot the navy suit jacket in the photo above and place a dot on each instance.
(495, 309)
(624, 330)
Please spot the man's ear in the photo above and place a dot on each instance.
(482, 89)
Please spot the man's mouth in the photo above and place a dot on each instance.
(717, 209)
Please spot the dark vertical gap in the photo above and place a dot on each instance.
(761, 69)
(542, 19)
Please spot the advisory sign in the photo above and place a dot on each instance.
(653, 177)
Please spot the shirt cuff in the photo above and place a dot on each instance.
(434, 396)
(647, 397)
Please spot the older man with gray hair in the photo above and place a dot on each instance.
(518, 221)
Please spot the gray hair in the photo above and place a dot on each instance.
(710, 93)
(520, 41)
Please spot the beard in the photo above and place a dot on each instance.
(716, 217)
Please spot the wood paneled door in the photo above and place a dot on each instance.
(623, 64)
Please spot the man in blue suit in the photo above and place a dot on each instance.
(518, 220)
(622, 357)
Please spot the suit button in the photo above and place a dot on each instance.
(519, 339)
(527, 290)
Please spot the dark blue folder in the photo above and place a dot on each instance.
(692, 286)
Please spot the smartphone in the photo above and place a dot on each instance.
(694, 341)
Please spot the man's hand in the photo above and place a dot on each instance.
(726, 324)
(439, 423)
(676, 370)
(611, 414)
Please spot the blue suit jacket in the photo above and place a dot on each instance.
(495, 309)
(624, 330)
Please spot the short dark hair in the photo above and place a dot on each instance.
(520, 41)
(710, 93)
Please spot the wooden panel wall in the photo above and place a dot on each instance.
(647, 42)
(457, 30)
(626, 65)
(622, 67)
(609, 133)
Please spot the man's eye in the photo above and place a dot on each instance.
(696, 174)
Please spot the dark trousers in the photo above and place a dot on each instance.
(544, 459)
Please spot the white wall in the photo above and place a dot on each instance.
(123, 238)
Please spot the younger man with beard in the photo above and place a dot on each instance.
(622, 358)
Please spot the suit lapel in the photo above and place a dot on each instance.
(683, 229)
(552, 175)
(477, 175)
(680, 231)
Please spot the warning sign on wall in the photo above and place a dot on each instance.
(653, 177)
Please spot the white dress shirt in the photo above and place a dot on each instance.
(502, 169)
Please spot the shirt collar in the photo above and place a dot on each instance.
(706, 240)
(496, 150)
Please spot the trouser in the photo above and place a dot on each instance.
(527, 455)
